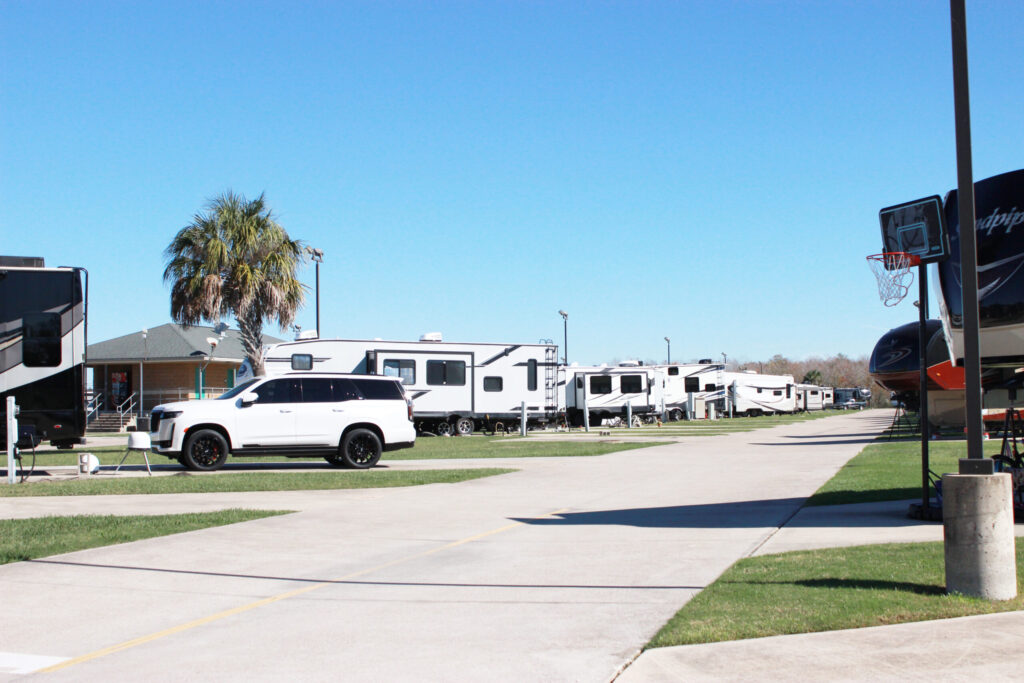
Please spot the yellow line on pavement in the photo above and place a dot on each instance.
(128, 644)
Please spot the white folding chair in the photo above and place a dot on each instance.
(137, 441)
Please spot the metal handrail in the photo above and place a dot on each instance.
(127, 406)
(92, 407)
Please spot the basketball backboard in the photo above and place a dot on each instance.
(918, 228)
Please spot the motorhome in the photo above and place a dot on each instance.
(455, 387)
(603, 392)
(688, 386)
(751, 394)
(42, 350)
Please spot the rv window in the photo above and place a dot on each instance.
(789, 388)
(493, 383)
(316, 390)
(814, 393)
(279, 391)
(710, 387)
(579, 382)
(446, 372)
(531, 374)
(759, 390)
(40, 345)
(673, 371)
(632, 384)
(691, 384)
(375, 389)
(406, 369)
(302, 361)
(777, 392)
(601, 384)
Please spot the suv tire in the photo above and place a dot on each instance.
(205, 450)
(360, 449)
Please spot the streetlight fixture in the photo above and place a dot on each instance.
(668, 342)
(565, 331)
(318, 257)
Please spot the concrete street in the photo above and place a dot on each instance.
(560, 571)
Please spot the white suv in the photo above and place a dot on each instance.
(347, 419)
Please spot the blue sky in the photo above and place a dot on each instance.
(707, 171)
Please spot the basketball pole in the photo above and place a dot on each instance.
(922, 307)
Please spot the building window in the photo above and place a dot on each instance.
(691, 384)
(406, 369)
(40, 343)
(531, 374)
(446, 372)
(302, 361)
(601, 384)
(493, 383)
(632, 384)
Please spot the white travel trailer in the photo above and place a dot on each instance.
(810, 397)
(688, 386)
(750, 394)
(455, 387)
(827, 398)
(605, 391)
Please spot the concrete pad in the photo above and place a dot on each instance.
(982, 648)
(560, 571)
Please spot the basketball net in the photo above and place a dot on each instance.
(892, 271)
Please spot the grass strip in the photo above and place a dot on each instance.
(245, 481)
(28, 539)
(826, 590)
(891, 470)
(426, 448)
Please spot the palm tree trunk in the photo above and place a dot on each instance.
(250, 327)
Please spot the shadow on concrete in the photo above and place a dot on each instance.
(821, 442)
(351, 582)
(748, 514)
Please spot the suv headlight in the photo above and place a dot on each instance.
(167, 415)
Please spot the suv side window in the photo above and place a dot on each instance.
(379, 390)
(344, 390)
(279, 391)
(316, 390)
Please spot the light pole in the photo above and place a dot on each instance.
(318, 257)
(142, 373)
(565, 331)
(725, 361)
(668, 342)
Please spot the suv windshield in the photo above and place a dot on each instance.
(241, 388)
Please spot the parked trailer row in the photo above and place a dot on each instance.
(462, 387)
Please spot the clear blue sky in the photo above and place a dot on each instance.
(707, 171)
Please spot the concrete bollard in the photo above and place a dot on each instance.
(977, 519)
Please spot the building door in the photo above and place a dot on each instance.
(120, 387)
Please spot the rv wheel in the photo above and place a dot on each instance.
(464, 426)
(675, 415)
(443, 428)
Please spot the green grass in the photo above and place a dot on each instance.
(246, 481)
(891, 470)
(826, 590)
(28, 539)
(426, 448)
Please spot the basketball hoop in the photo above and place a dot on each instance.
(892, 270)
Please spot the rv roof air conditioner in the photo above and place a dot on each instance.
(306, 334)
(431, 337)
(704, 361)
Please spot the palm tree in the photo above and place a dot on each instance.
(235, 259)
(812, 377)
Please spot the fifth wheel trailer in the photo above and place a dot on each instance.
(42, 349)
(749, 393)
(455, 387)
(604, 392)
(688, 386)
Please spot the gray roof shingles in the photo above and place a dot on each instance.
(170, 342)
